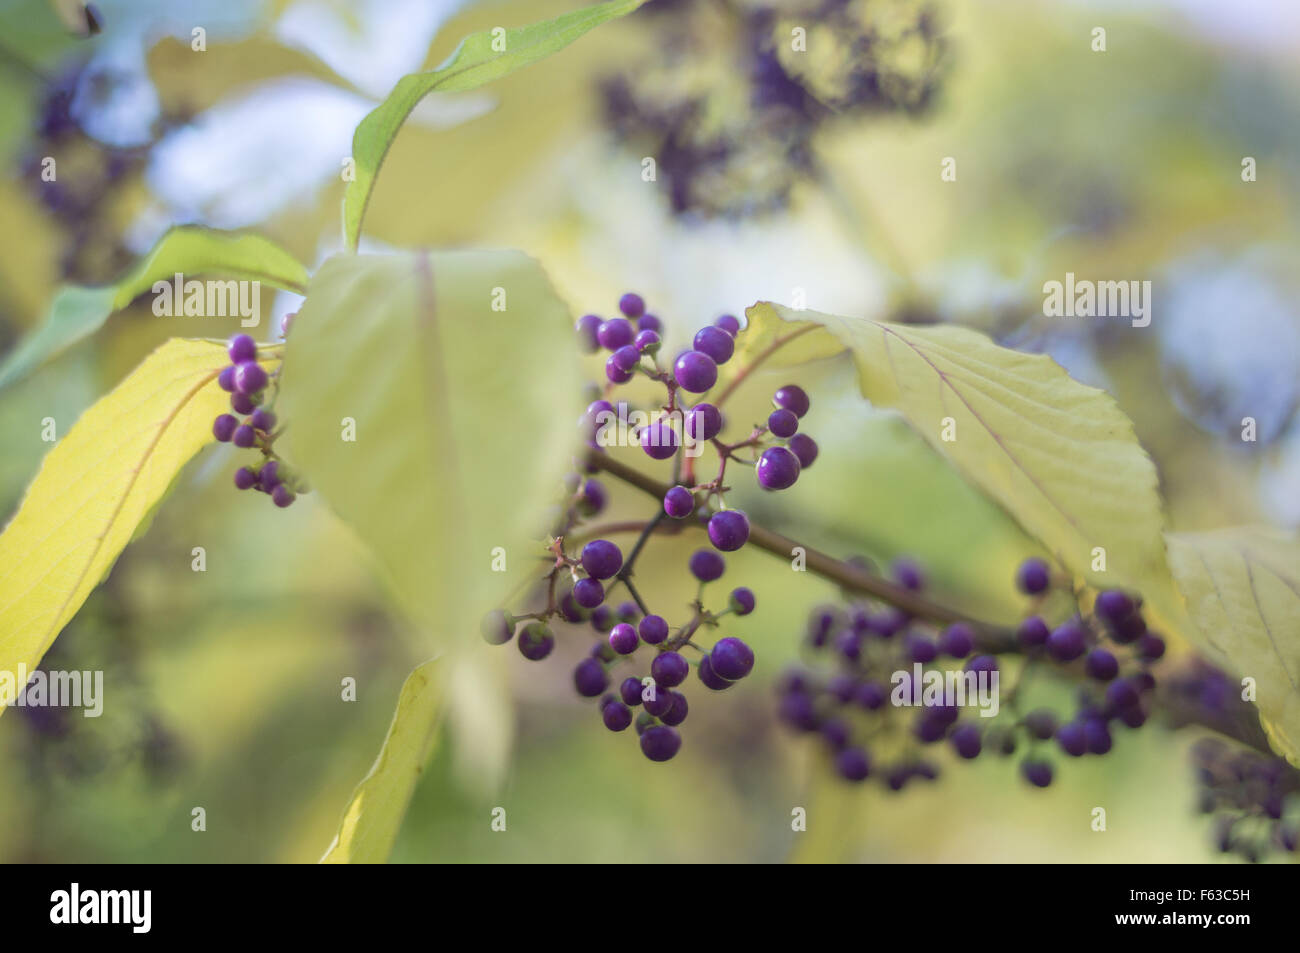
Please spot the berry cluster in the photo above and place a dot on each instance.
(248, 384)
(887, 666)
(776, 449)
(623, 631)
(578, 585)
(765, 100)
(1253, 796)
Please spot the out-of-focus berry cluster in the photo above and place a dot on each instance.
(896, 686)
(735, 92)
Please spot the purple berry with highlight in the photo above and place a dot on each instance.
(716, 343)
(728, 530)
(695, 372)
(778, 468)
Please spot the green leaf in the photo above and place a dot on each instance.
(463, 417)
(95, 487)
(374, 815)
(473, 64)
(1059, 456)
(1242, 588)
(78, 312)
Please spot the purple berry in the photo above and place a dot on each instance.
(777, 469)
(602, 559)
(908, 574)
(615, 333)
(1032, 633)
(729, 323)
(957, 640)
(1113, 606)
(716, 343)
(623, 639)
(241, 348)
(783, 423)
(656, 699)
(648, 322)
(226, 379)
(1121, 694)
(223, 428)
(653, 629)
(669, 669)
(920, 649)
(632, 305)
(602, 620)
(262, 420)
(703, 422)
(966, 741)
(728, 530)
(695, 372)
(1072, 739)
(588, 593)
(627, 358)
(805, 448)
(614, 373)
(616, 716)
(1101, 665)
(836, 732)
(731, 659)
(630, 691)
(249, 377)
(982, 663)
(677, 713)
(1129, 629)
(269, 478)
(659, 440)
(679, 503)
(742, 600)
(710, 678)
(245, 478)
(1067, 641)
(660, 743)
(242, 403)
(1150, 646)
(535, 641)
(589, 678)
(587, 327)
(706, 565)
(792, 398)
(646, 341)
(1041, 723)
(244, 436)
(1096, 736)
(282, 496)
(852, 764)
(1033, 576)
(870, 695)
(1037, 773)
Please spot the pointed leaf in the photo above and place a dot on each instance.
(1242, 588)
(462, 417)
(78, 312)
(94, 489)
(374, 814)
(1059, 456)
(474, 63)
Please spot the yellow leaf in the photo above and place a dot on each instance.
(374, 815)
(1242, 587)
(93, 490)
(1059, 456)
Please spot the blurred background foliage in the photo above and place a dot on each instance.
(776, 172)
